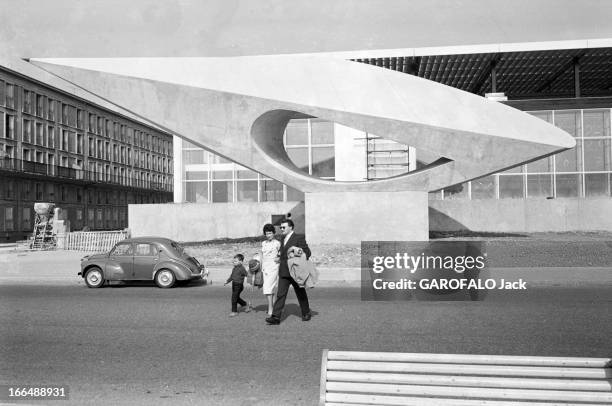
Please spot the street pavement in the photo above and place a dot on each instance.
(61, 267)
(137, 344)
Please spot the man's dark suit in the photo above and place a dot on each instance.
(285, 279)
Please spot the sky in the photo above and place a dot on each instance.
(203, 28)
(118, 28)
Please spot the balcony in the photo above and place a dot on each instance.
(63, 172)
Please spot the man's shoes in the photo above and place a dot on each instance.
(307, 317)
(233, 314)
(272, 320)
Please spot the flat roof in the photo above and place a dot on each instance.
(545, 73)
(474, 48)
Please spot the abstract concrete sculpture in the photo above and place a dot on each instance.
(239, 107)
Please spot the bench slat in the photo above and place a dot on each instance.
(468, 392)
(471, 381)
(352, 399)
(323, 377)
(458, 369)
(471, 359)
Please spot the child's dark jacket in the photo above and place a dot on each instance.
(238, 274)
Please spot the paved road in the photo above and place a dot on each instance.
(61, 267)
(138, 344)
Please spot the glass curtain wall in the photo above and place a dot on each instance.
(310, 146)
(209, 178)
(584, 171)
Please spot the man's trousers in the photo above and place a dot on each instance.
(281, 296)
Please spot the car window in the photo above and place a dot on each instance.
(123, 249)
(145, 249)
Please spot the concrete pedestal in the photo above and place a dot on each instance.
(352, 217)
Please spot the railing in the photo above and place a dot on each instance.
(18, 165)
(91, 240)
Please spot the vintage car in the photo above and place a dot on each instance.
(144, 258)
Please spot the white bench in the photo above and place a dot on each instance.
(386, 378)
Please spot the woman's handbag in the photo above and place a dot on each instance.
(255, 271)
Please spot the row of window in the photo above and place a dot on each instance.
(120, 154)
(101, 172)
(45, 107)
(584, 171)
(28, 190)
(210, 178)
(238, 190)
(503, 186)
(98, 218)
(37, 133)
(69, 166)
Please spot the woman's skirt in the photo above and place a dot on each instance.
(270, 277)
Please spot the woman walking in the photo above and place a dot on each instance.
(270, 249)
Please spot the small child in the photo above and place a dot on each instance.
(237, 279)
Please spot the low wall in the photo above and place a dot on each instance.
(208, 221)
(521, 215)
(352, 217)
(200, 222)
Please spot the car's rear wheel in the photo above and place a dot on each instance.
(164, 278)
(94, 277)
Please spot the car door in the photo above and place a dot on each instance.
(121, 262)
(145, 259)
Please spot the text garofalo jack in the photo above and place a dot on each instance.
(438, 268)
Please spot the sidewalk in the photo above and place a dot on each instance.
(62, 267)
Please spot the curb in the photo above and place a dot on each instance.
(32, 268)
(541, 276)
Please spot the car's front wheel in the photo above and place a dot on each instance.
(94, 277)
(164, 278)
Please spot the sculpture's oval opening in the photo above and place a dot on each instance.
(332, 151)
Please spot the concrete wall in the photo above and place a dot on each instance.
(179, 174)
(350, 154)
(352, 217)
(200, 222)
(521, 215)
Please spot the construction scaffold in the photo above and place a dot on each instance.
(43, 237)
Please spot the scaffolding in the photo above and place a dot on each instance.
(43, 237)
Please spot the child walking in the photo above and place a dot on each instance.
(237, 280)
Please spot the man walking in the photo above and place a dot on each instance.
(290, 239)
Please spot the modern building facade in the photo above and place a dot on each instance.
(564, 85)
(89, 161)
(570, 88)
